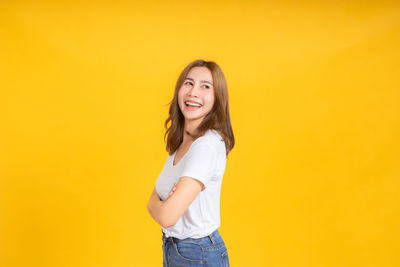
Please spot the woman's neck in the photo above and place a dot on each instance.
(190, 127)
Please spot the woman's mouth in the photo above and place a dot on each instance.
(192, 106)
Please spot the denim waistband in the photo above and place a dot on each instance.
(211, 236)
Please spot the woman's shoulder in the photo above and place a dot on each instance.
(213, 138)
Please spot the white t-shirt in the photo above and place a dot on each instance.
(205, 161)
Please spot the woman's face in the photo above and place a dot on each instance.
(196, 95)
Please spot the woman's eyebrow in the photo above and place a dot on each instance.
(187, 78)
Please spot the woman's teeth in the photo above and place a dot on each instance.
(192, 104)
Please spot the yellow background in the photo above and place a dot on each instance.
(314, 94)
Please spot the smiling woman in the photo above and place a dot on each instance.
(185, 200)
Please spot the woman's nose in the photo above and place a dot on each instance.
(194, 90)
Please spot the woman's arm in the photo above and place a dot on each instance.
(154, 206)
(168, 213)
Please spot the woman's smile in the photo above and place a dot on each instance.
(190, 106)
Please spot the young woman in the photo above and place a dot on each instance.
(186, 198)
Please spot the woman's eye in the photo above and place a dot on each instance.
(188, 82)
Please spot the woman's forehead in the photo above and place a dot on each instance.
(201, 74)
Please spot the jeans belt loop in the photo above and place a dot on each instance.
(164, 233)
(212, 239)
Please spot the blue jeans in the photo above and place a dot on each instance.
(195, 252)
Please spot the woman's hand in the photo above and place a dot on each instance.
(172, 190)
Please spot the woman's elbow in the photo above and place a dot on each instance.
(163, 225)
(167, 219)
(165, 222)
(159, 216)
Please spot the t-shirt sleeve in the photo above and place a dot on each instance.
(200, 163)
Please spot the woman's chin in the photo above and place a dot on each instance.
(193, 118)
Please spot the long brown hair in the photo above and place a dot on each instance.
(218, 118)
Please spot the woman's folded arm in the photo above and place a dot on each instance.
(167, 213)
